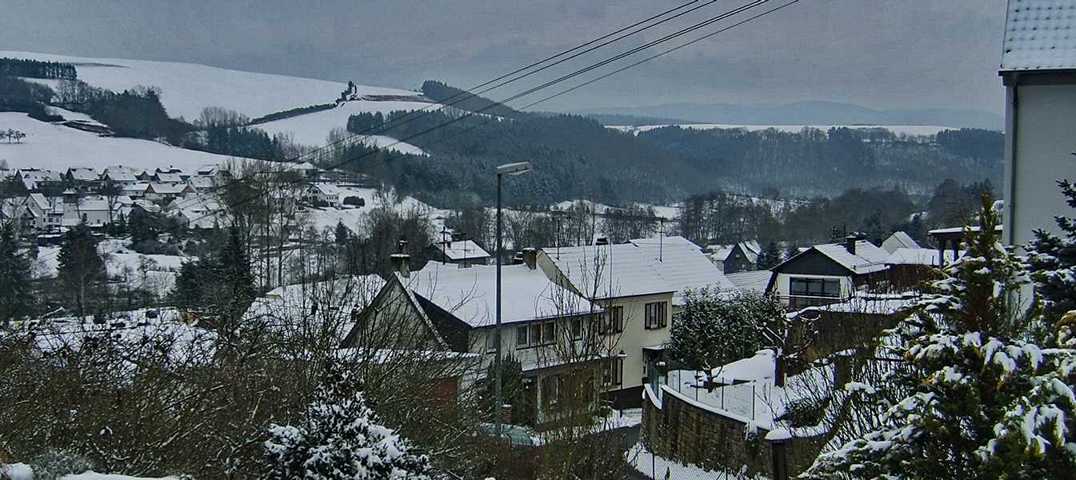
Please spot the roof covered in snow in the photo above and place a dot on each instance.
(609, 271)
(462, 250)
(868, 258)
(682, 265)
(897, 240)
(470, 293)
(751, 281)
(919, 256)
(1039, 35)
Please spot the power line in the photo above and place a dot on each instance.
(666, 38)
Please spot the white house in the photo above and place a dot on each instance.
(828, 273)
(1038, 69)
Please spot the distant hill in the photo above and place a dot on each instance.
(809, 113)
(188, 87)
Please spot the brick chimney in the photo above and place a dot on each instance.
(530, 257)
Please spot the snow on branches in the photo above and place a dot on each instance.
(340, 438)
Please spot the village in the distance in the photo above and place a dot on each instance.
(215, 273)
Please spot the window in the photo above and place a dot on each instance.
(549, 332)
(550, 390)
(613, 371)
(577, 328)
(655, 315)
(814, 287)
(536, 334)
(491, 341)
(521, 336)
(616, 320)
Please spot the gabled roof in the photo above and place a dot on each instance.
(609, 271)
(169, 188)
(462, 250)
(82, 173)
(750, 281)
(1039, 35)
(470, 293)
(868, 258)
(682, 265)
(919, 256)
(898, 240)
(168, 178)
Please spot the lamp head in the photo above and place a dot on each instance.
(518, 168)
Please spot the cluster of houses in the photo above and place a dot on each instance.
(50, 201)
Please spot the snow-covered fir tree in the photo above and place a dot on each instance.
(984, 402)
(340, 438)
(1053, 262)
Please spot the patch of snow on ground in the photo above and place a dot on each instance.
(187, 88)
(658, 467)
(74, 116)
(313, 128)
(16, 471)
(109, 476)
(54, 147)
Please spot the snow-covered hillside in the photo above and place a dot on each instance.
(57, 147)
(897, 129)
(187, 88)
(313, 128)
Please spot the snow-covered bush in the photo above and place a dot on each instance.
(983, 401)
(714, 329)
(340, 438)
(54, 464)
(1053, 263)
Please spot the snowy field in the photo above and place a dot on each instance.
(313, 128)
(156, 273)
(57, 147)
(928, 130)
(187, 88)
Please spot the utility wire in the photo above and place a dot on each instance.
(565, 77)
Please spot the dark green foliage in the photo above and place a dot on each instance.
(954, 204)
(711, 331)
(16, 299)
(705, 219)
(22, 67)
(219, 285)
(512, 390)
(464, 153)
(1052, 259)
(238, 141)
(816, 162)
(769, 257)
(17, 95)
(972, 143)
(136, 112)
(342, 234)
(874, 211)
(293, 112)
(464, 100)
(81, 268)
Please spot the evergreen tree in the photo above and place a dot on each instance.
(233, 280)
(713, 330)
(1053, 262)
(769, 257)
(15, 297)
(342, 234)
(81, 267)
(339, 438)
(983, 402)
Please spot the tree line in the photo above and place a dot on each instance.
(22, 67)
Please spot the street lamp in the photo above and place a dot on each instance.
(507, 169)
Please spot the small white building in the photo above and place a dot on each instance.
(827, 273)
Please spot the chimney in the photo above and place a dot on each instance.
(850, 242)
(401, 262)
(530, 256)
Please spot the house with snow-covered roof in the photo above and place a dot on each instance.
(827, 273)
(738, 257)
(639, 285)
(1038, 70)
(897, 241)
(447, 308)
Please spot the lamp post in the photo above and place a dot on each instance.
(506, 169)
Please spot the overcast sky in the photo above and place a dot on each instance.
(876, 53)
